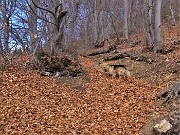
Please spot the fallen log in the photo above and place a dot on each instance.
(121, 55)
(141, 58)
(103, 50)
(97, 52)
(115, 56)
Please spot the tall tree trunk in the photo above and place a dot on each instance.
(149, 25)
(6, 28)
(86, 27)
(173, 21)
(59, 29)
(63, 26)
(157, 27)
(34, 46)
(74, 12)
(113, 24)
(95, 21)
(33, 25)
(126, 33)
(101, 22)
(115, 30)
(3, 55)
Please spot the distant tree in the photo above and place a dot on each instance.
(7, 9)
(126, 31)
(3, 55)
(173, 20)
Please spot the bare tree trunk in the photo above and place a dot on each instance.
(131, 18)
(115, 30)
(63, 26)
(157, 27)
(113, 23)
(102, 33)
(86, 27)
(173, 21)
(95, 21)
(3, 55)
(33, 25)
(1, 48)
(33, 33)
(98, 23)
(74, 12)
(59, 29)
(149, 25)
(6, 29)
(126, 33)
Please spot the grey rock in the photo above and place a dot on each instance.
(163, 126)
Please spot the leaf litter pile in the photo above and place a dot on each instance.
(33, 104)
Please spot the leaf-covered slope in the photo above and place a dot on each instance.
(30, 103)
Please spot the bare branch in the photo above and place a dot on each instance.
(49, 11)
(39, 16)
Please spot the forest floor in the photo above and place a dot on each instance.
(100, 105)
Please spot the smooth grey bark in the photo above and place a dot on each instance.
(149, 24)
(74, 6)
(173, 21)
(63, 24)
(113, 25)
(34, 46)
(98, 23)
(101, 35)
(157, 27)
(59, 29)
(3, 55)
(33, 25)
(86, 32)
(58, 32)
(132, 17)
(126, 31)
(95, 21)
(6, 29)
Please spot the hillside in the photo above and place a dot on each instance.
(35, 104)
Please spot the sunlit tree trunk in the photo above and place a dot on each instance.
(157, 27)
